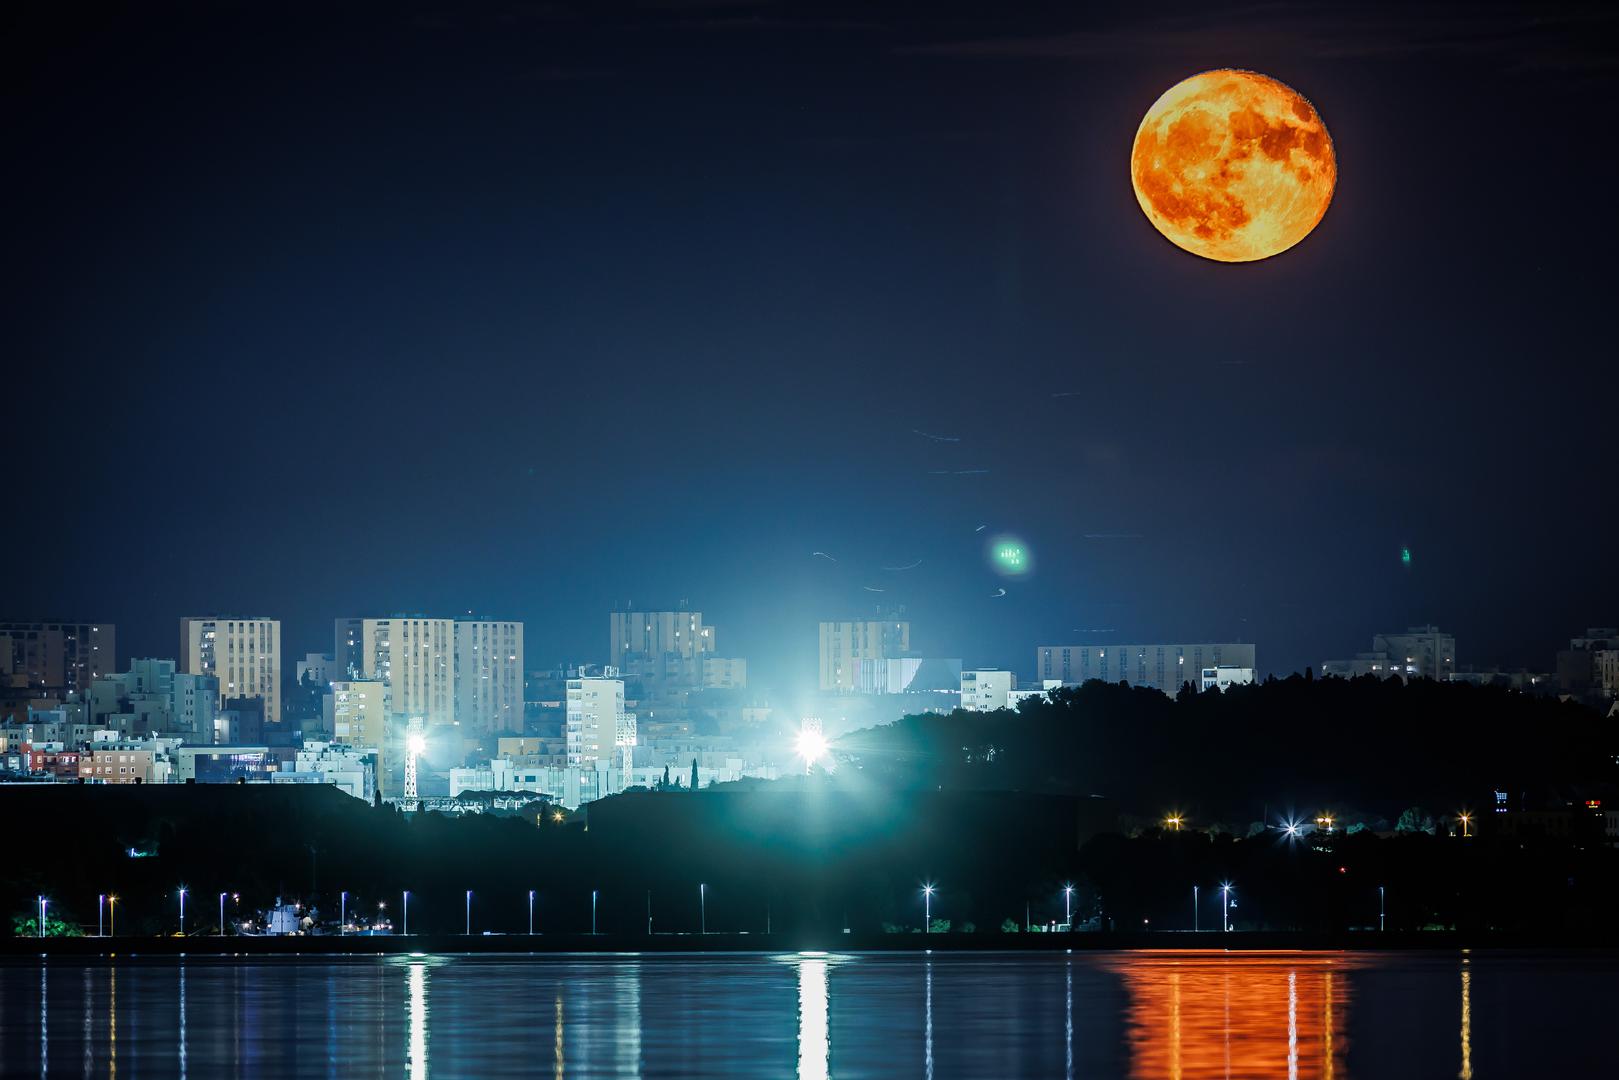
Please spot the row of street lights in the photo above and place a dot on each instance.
(1175, 822)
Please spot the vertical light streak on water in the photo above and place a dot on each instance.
(44, 1024)
(814, 1046)
(1226, 985)
(1326, 1025)
(1068, 1017)
(416, 1013)
(627, 995)
(557, 1046)
(1467, 1024)
(1292, 1025)
(182, 1019)
(928, 1047)
(112, 1022)
(1175, 1025)
(88, 1039)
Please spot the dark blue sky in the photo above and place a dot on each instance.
(540, 309)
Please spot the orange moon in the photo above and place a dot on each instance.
(1233, 166)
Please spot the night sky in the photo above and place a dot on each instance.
(538, 309)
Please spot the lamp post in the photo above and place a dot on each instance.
(531, 913)
(592, 912)
(1466, 820)
(469, 913)
(1194, 909)
(182, 911)
(42, 903)
(1380, 908)
(702, 908)
(1174, 822)
(405, 911)
(342, 913)
(221, 914)
(927, 908)
(1225, 906)
(112, 914)
(1068, 906)
(101, 902)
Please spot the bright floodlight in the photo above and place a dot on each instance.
(811, 745)
(416, 743)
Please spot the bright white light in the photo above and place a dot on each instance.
(416, 743)
(812, 745)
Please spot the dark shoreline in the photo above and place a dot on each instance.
(210, 945)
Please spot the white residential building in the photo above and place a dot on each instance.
(488, 676)
(244, 654)
(986, 690)
(1218, 678)
(349, 769)
(598, 728)
(725, 673)
(1422, 652)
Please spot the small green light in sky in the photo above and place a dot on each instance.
(1405, 556)
(1009, 556)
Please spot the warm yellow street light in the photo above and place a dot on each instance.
(1174, 821)
(1466, 819)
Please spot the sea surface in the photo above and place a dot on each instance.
(1140, 1013)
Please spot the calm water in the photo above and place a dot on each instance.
(1182, 1015)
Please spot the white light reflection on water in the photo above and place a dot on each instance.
(814, 1030)
(627, 1004)
(1068, 1016)
(927, 1026)
(416, 1012)
(1292, 1025)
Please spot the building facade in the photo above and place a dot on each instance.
(1422, 652)
(598, 727)
(356, 713)
(243, 654)
(660, 646)
(845, 645)
(1161, 667)
(986, 690)
(413, 656)
(55, 657)
(488, 676)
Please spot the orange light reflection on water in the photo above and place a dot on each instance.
(1197, 1014)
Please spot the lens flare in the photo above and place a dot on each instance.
(1009, 556)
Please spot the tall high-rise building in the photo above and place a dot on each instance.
(844, 645)
(55, 657)
(244, 654)
(1162, 667)
(598, 728)
(414, 657)
(660, 646)
(488, 676)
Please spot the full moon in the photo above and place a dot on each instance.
(1233, 166)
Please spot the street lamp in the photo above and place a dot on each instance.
(1466, 820)
(101, 902)
(1174, 821)
(1325, 822)
(531, 913)
(702, 908)
(469, 913)
(342, 913)
(42, 903)
(405, 911)
(182, 911)
(1225, 906)
(1068, 906)
(592, 912)
(927, 908)
(1194, 909)
(1380, 908)
(222, 914)
(112, 913)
